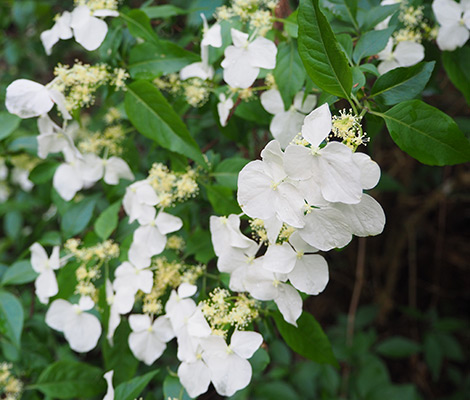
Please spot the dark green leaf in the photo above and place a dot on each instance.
(346, 43)
(253, 111)
(148, 60)
(260, 360)
(108, 220)
(19, 273)
(370, 68)
(172, 389)
(139, 25)
(307, 339)
(152, 116)
(289, 72)
(368, 19)
(131, 389)
(427, 134)
(433, 355)
(226, 173)
(70, 380)
(200, 245)
(371, 43)
(12, 224)
(222, 200)
(164, 11)
(456, 65)
(359, 80)
(323, 59)
(11, 317)
(402, 84)
(77, 217)
(43, 172)
(398, 347)
(8, 124)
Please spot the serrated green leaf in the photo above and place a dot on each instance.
(426, 133)
(371, 43)
(108, 220)
(323, 59)
(150, 113)
(456, 65)
(289, 72)
(8, 124)
(307, 339)
(398, 347)
(139, 26)
(70, 380)
(19, 273)
(402, 84)
(149, 60)
(11, 317)
(131, 389)
(77, 217)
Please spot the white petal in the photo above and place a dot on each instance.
(28, 99)
(49, 38)
(238, 72)
(289, 303)
(452, 36)
(409, 53)
(301, 245)
(59, 99)
(260, 283)
(225, 233)
(245, 343)
(198, 325)
(168, 223)
(149, 240)
(387, 65)
(307, 105)
(67, 181)
(93, 168)
(197, 70)
(85, 303)
(317, 125)
(163, 329)
(62, 26)
(310, 274)
(105, 13)
(262, 53)
(89, 31)
(195, 377)
(82, 332)
(447, 12)
(229, 374)
(280, 258)
(108, 376)
(146, 346)
(212, 37)
(223, 108)
(139, 322)
(289, 205)
(298, 162)
(285, 126)
(116, 168)
(239, 38)
(39, 257)
(272, 102)
(370, 170)
(186, 290)
(46, 284)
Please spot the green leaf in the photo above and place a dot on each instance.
(402, 84)
(307, 339)
(148, 60)
(12, 224)
(19, 273)
(456, 65)
(70, 380)
(153, 117)
(8, 124)
(43, 172)
(289, 72)
(108, 220)
(172, 389)
(323, 59)
(221, 199)
(433, 355)
(131, 389)
(139, 26)
(226, 173)
(253, 111)
(359, 80)
(368, 19)
(200, 245)
(164, 11)
(351, 11)
(76, 218)
(371, 43)
(426, 133)
(398, 347)
(11, 317)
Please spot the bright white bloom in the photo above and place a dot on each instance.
(53, 139)
(150, 239)
(81, 329)
(264, 190)
(120, 302)
(229, 366)
(46, 282)
(20, 176)
(454, 21)
(404, 54)
(286, 124)
(111, 169)
(132, 278)
(203, 70)
(139, 202)
(148, 340)
(108, 376)
(223, 107)
(225, 233)
(244, 59)
(27, 99)
(331, 168)
(60, 30)
(195, 375)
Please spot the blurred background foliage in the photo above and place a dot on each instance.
(397, 306)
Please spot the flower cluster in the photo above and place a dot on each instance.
(10, 386)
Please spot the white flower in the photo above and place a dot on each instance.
(60, 30)
(108, 376)
(286, 124)
(132, 278)
(46, 282)
(244, 59)
(139, 201)
(120, 302)
(112, 169)
(53, 139)
(454, 21)
(195, 375)
(331, 168)
(404, 54)
(81, 329)
(223, 107)
(20, 176)
(148, 340)
(264, 190)
(27, 99)
(229, 367)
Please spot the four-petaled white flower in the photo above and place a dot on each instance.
(46, 282)
(139, 202)
(454, 21)
(244, 59)
(404, 54)
(81, 329)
